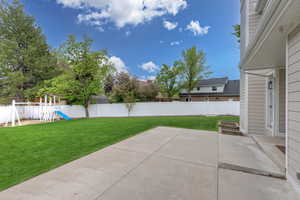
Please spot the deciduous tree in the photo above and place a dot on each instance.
(194, 68)
(169, 80)
(87, 74)
(237, 32)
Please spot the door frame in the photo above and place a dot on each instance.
(271, 126)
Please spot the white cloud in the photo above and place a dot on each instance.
(122, 12)
(176, 43)
(151, 78)
(118, 63)
(161, 42)
(170, 25)
(146, 78)
(195, 27)
(149, 66)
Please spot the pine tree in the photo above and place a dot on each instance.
(25, 58)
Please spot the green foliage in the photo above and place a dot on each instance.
(147, 91)
(169, 80)
(194, 68)
(86, 76)
(25, 57)
(237, 32)
(124, 84)
(130, 101)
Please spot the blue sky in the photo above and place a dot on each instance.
(155, 32)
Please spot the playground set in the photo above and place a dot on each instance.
(47, 110)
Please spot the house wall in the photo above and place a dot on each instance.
(282, 101)
(253, 19)
(244, 26)
(249, 23)
(243, 104)
(256, 105)
(293, 75)
(206, 90)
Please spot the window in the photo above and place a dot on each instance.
(214, 88)
(198, 88)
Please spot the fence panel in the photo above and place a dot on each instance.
(139, 109)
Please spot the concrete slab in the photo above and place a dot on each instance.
(201, 148)
(237, 185)
(244, 152)
(166, 179)
(267, 145)
(149, 141)
(85, 178)
(270, 140)
(162, 163)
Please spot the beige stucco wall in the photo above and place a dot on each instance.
(293, 70)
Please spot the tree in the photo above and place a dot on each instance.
(169, 80)
(194, 68)
(237, 32)
(87, 74)
(25, 58)
(130, 101)
(147, 91)
(124, 84)
(109, 84)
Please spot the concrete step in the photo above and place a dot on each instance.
(243, 154)
(268, 145)
(251, 170)
(227, 131)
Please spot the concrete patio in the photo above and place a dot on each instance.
(161, 164)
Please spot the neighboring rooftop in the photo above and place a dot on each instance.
(213, 81)
(232, 88)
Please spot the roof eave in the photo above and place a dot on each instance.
(270, 14)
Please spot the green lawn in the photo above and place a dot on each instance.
(31, 150)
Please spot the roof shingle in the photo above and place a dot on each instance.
(213, 82)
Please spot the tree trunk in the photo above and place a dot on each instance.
(87, 114)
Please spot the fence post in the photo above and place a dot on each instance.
(13, 113)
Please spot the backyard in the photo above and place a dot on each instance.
(31, 150)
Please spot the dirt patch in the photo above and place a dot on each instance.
(24, 123)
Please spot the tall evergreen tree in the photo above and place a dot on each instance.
(25, 58)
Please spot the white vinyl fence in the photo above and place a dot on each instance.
(139, 109)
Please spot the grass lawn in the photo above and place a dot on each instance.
(31, 150)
